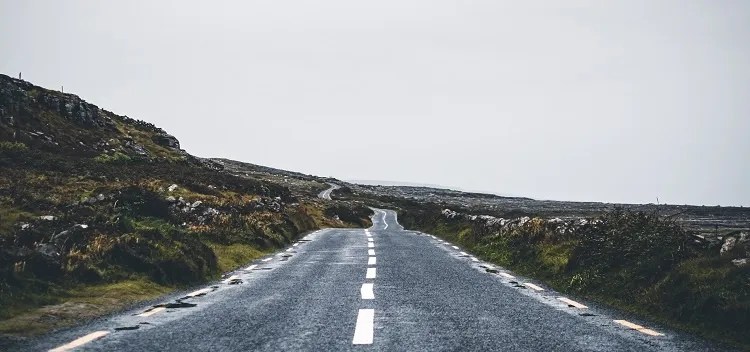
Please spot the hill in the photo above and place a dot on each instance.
(99, 210)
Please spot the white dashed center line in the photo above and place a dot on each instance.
(363, 333)
(371, 261)
(371, 252)
(370, 245)
(455, 247)
(84, 340)
(464, 253)
(251, 267)
(367, 292)
(371, 273)
(267, 259)
(369, 240)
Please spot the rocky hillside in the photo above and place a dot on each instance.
(103, 210)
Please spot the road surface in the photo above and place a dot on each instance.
(327, 193)
(381, 289)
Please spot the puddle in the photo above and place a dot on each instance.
(134, 327)
(177, 304)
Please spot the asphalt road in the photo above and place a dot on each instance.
(382, 289)
(327, 193)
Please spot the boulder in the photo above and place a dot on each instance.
(728, 245)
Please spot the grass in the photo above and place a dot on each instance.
(82, 302)
(636, 262)
(233, 256)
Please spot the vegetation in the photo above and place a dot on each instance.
(640, 262)
(98, 211)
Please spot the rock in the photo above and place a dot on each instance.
(172, 188)
(100, 197)
(47, 249)
(196, 204)
(48, 217)
(210, 212)
(25, 226)
(166, 140)
(171, 199)
(728, 245)
(740, 262)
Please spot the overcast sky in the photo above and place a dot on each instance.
(619, 101)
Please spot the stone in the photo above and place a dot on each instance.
(740, 262)
(48, 217)
(172, 188)
(196, 204)
(728, 245)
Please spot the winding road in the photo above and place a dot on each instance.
(383, 289)
(326, 194)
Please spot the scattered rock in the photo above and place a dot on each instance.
(728, 245)
(740, 262)
(48, 217)
(172, 188)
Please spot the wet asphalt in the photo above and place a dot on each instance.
(428, 296)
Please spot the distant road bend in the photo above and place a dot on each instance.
(383, 289)
(327, 193)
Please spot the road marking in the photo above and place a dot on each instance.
(296, 244)
(464, 253)
(363, 332)
(369, 240)
(370, 245)
(229, 279)
(366, 291)
(371, 252)
(532, 286)
(371, 261)
(651, 332)
(506, 275)
(638, 328)
(202, 291)
(371, 273)
(455, 247)
(251, 267)
(84, 340)
(572, 302)
(289, 249)
(386, 224)
(267, 259)
(152, 312)
(474, 259)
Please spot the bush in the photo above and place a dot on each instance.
(115, 158)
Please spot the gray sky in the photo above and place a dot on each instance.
(618, 101)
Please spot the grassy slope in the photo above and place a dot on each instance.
(119, 233)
